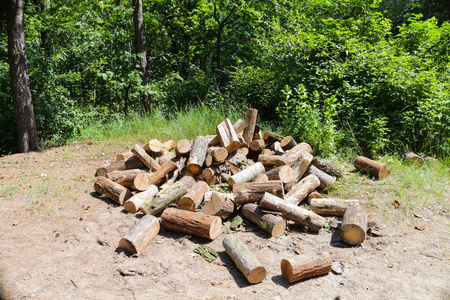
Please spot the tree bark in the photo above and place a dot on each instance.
(354, 226)
(305, 266)
(20, 87)
(194, 196)
(197, 155)
(331, 207)
(250, 122)
(112, 190)
(291, 156)
(125, 164)
(254, 191)
(164, 198)
(141, 235)
(146, 159)
(375, 168)
(133, 204)
(326, 181)
(247, 174)
(300, 190)
(273, 225)
(116, 175)
(326, 167)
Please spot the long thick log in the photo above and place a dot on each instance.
(283, 173)
(254, 191)
(195, 223)
(194, 196)
(142, 181)
(146, 159)
(183, 147)
(133, 204)
(116, 175)
(250, 122)
(124, 155)
(331, 207)
(141, 235)
(292, 212)
(273, 225)
(291, 156)
(375, 168)
(238, 127)
(247, 174)
(197, 155)
(354, 226)
(326, 181)
(126, 164)
(220, 204)
(245, 260)
(301, 165)
(268, 159)
(327, 167)
(164, 198)
(227, 136)
(305, 266)
(154, 147)
(112, 190)
(301, 189)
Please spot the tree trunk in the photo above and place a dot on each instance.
(227, 136)
(300, 190)
(331, 207)
(146, 159)
(273, 225)
(20, 86)
(116, 175)
(254, 191)
(125, 164)
(238, 127)
(326, 167)
(247, 175)
(375, 168)
(250, 122)
(354, 226)
(194, 196)
(305, 266)
(141, 235)
(112, 190)
(164, 198)
(291, 156)
(326, 181)
(133, 204)
(197, 155)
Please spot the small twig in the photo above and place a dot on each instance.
(73, 283)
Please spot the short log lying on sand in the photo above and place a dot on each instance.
(194, 196)
(292, 212)
(195, 223)
(133, 204)
(354, 226)
(331, 207)
(220, 204)
(375, 168)
(164, 198)
(245, 260)
(272, 224)
(247, 174)
(141, 235)
(254, 191)
(305, 266)
(300, 190)
(112, 190)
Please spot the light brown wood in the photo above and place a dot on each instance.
(218, 153)
(208, 173)
(276, 147)
(412, 158)
(183, 147)
(254, 191)
(291, 156)
(195, 223)
(327, 167)
(169, 156)
(250, 123)
(241, 140)
(292, 212)
(146, 159)
(326, 181)
(188, 181)
(164, 198)
(126, 164)
(257, 145)
(375, 168)
(283, 173)
(112, 190)
(238, 128)
(272, 224)
(219, 204)
(227, 136)
(247, 174)
(313, 195)
(272, 137)
(208, 160)
(168, 146)
(194, 196)
(116, 175)
(142, 181)
(305, 265)
(197, 156)
(301, 189)
(128, 181)
(261, 178)
(332, 207)
(102, 168)
(354, 226)
(245, 260)
(154, 147)
(266, 151)
(124, 155)
(301, 165)
(268, 160)
(133, 204)
(141, 235)
(288, 143)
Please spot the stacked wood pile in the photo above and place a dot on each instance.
(196, 184)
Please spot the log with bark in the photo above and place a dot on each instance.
(168, 146)
(254, 191)
(261, 178)
(227, 136)
(331, 207)
(247, 174)
(291, 156)
(183, 147)
(154, 147)
(220, 204)
(124, 155)
(102, 168)
(193, 198)
(197, 155)
(195, 223)
(250, 123)
(301, 165)
(126, 164)
(292, 212)
(283, 173)
(272, 224)
(164, 198)
(218, 153)
(268, 159)
(272, 137)
(326, 181)
(354, 226)
(112, 190)
(375, 168)
(313, 195)
(245, 260)
(327, 167)
(128, 181)
(142, 181)
(238, 128)
(288, 143)
(141, 235)
(169, 156)
(301, 189)
(305, 266)
(146, 159)
(411, 158)
(257, 145)
(116, 175)
(133, 204)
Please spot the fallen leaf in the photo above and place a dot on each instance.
(418, 227)
(396, 204)
(216, 283)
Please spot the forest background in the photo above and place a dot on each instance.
(365, 76)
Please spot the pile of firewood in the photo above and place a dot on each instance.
(197, 184)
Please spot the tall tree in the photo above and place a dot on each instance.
(139, 34)
(23, 105)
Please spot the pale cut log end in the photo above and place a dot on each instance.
(352, 234)
(257, 275)
(384, 172)
(278, 228)
(287, 270)
(186, 204)
(215, 228)
(124, 196)
(128, 246)
(130, 207)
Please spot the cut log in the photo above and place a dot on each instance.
(166, 158)
(197, 155)
(188, 181)
(272, 224)
(257, 135)
(291, 156)
(244, 150)
(116, 175)
(326, 167)
(183, 147)
(124, 155)
(292, 212)
(220, 204)
(142, 181)
(313, 195)
(218, 153)
(141, 235)
(354, 226)
(301, 165)
(305, 266)
(326, 181)
(211, 180)
(238, 158)
(272, 137)
(266, 151)
(268, 160)
(227, 136)
(194, 196)
(283, 173)
(250, 123)
(247, 174)
(301, 189)
(146, 159)
(288, 143)
(245, 260)
(261, 178)
(133, 204)
(154, 147)
(126, 164)
(208, 160)
(254, 191)
(164, 198)
(195, 223)
(276, 147)
(102, 169)
(375, 168)
(168, 146)
(128, 181)
(208, 173)
(331, 207)
(257, 145)
(112, 190)
(241, 140)
(238, 128)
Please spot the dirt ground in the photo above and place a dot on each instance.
(59, 240)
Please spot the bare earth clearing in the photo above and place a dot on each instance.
(59, 240)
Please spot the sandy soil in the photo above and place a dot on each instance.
(59, 240)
